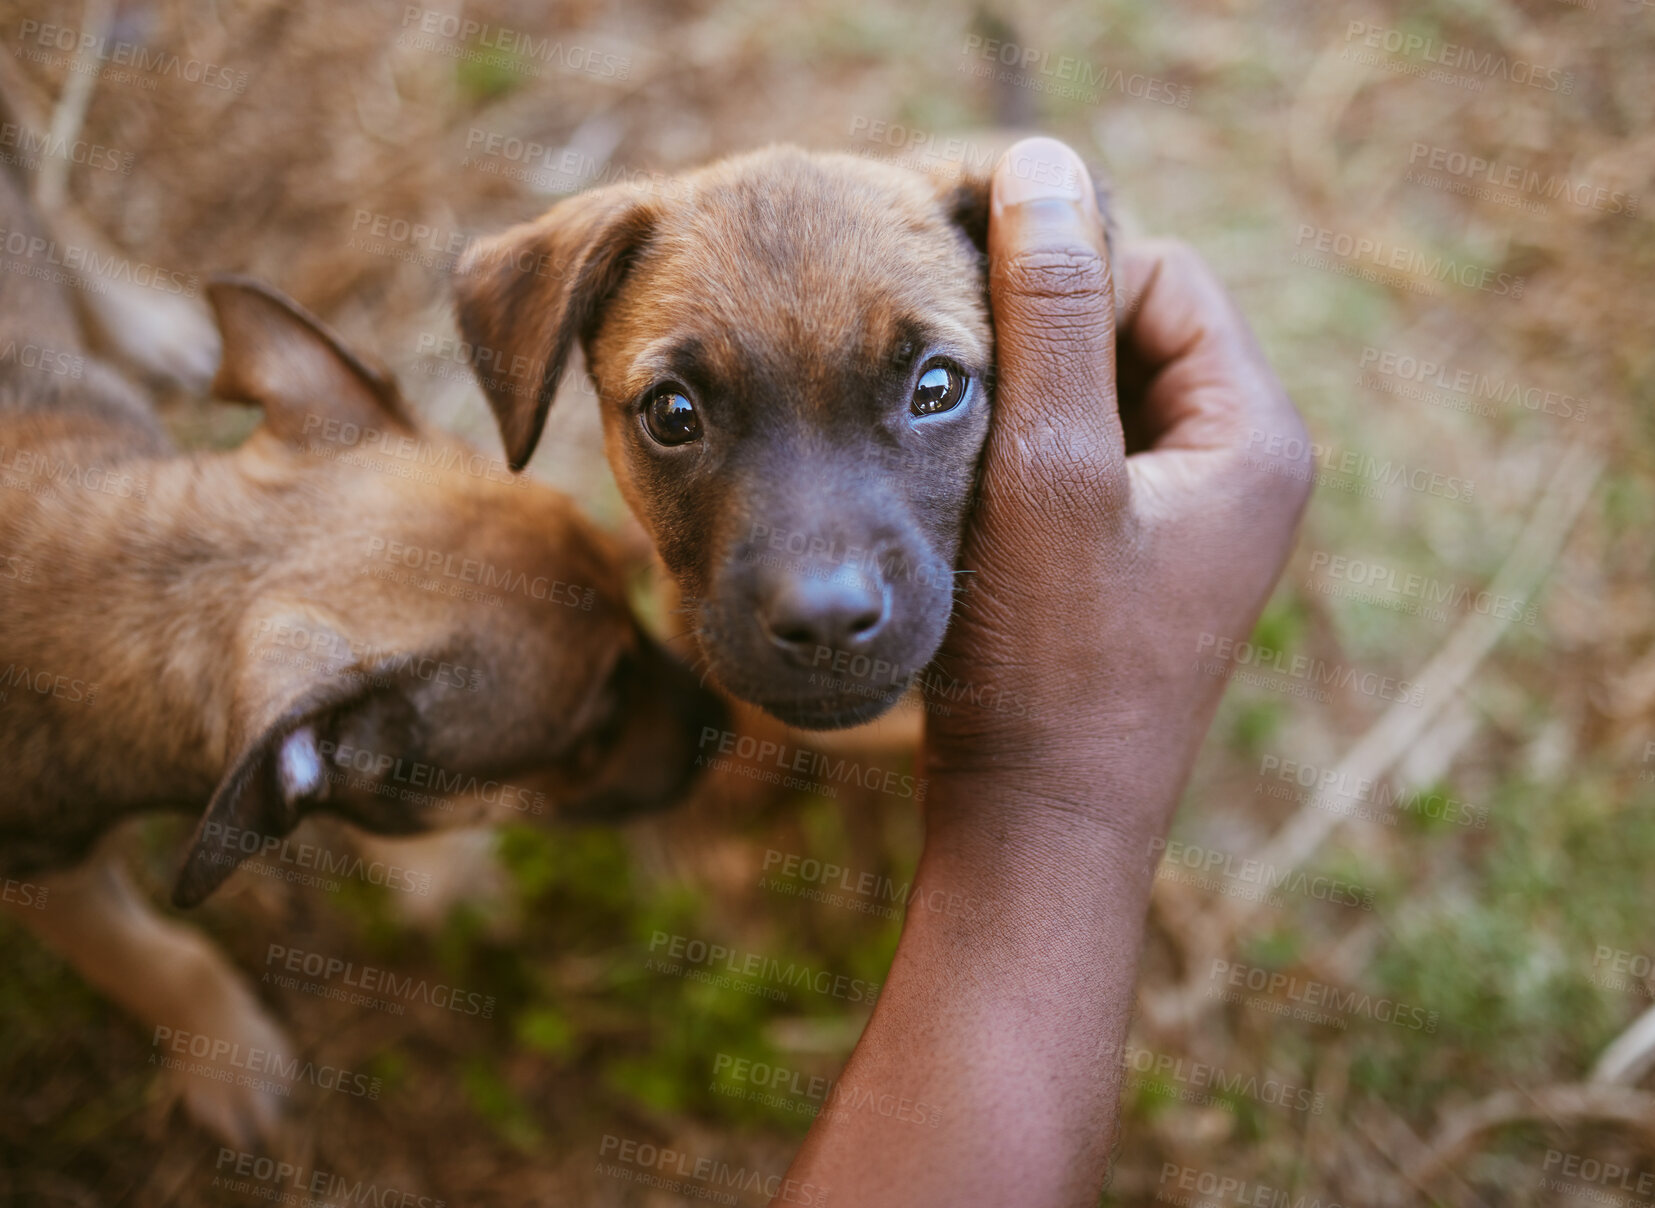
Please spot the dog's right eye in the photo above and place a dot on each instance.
(940, 388)
(670, 418)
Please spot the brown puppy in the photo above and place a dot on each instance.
(346, 613)
(791, 352)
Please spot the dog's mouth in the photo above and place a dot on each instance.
(844, 690)
(807, 698)
(831, 713)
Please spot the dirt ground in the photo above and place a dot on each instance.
(1406, 905)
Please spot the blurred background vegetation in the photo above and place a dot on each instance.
(1508, 842)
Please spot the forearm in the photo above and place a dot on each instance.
(998, 1031)
(1094, 578)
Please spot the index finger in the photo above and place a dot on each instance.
(1203, 380)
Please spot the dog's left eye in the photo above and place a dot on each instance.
(940, 388)
(670, 418)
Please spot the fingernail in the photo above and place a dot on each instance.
(1042, 169)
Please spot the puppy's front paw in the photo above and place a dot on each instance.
(227, 1061)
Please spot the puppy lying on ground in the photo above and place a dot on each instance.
(792, 353)
(346, 613)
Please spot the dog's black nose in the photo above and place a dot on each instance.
(841, 609)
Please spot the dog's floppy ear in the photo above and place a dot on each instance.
(965, 200)
(280, 356)
(526, 295)
(298, 677)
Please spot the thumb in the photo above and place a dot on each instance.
(1054, 316)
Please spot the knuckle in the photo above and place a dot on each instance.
(1066, 280)
(1068, 476)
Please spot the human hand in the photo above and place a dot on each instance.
(1103, 553)
(1116, 527)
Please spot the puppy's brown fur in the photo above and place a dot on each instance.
(346, 613)
(795, 298)
(223, 602)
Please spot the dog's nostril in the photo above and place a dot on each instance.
(868, 619)
(803, 613)
(794, 635)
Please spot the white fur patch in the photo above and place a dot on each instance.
(299, 764)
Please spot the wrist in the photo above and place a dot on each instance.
(1019, 844)
(1119, 778)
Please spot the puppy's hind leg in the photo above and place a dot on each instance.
(172, 979)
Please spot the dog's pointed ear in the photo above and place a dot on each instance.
(297, 676)
(525, 296)
(283, 358)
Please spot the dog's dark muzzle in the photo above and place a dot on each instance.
(824, 643)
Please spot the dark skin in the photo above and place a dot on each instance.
(1095, 573)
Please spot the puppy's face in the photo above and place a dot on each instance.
(499, 671)
(792, 355)
(432, 642)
